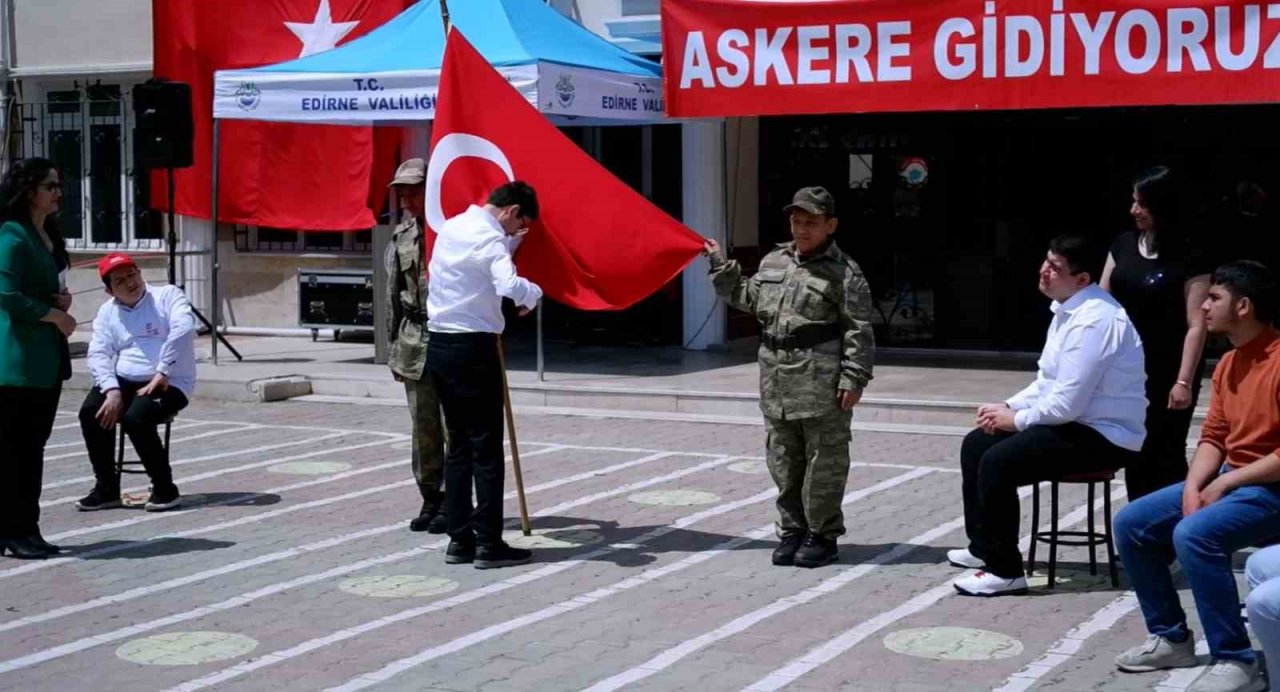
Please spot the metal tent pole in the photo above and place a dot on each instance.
(213, 219)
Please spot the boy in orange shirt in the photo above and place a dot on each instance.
(1230, 499)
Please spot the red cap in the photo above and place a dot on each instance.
(114, 261)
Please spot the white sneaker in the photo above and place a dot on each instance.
(1229, 676)
(961, 557)
(987, 584)
(1158, 653)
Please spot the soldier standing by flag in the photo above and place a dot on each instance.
(406, 300)
(816, 353)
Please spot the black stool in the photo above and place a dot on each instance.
(122, 466)
(1091, 537)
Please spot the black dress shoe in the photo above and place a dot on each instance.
(785, 554)
(23, 549)
(44, 545)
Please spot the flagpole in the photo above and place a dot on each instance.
(502, 363)
(511, 432)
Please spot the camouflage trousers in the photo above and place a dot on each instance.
(428, 434)
(809, 461)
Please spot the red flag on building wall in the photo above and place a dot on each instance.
(314, 177)
(598, 244)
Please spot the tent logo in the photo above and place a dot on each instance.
(565, 90)
(248, 96)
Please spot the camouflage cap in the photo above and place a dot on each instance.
(411, 172)
(815, 200)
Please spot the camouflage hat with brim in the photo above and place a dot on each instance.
(815, 200)
(411, 172)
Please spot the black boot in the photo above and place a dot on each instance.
(44, 545)
(785, 554)
(816, 551)
(430, 518)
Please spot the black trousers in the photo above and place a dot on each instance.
(1163, 460)
(468, 378)
(141, 417)
(994, 466)
(26, 421)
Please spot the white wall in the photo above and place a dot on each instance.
(81, 36)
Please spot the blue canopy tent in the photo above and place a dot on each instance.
(390, 77)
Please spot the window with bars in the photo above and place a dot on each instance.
(264, 239)
(87, 130)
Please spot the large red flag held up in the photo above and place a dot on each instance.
(598, 244)
(314, 177)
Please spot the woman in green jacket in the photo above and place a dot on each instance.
(34, 325)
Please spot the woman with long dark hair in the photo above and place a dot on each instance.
(1161, 278)
(34, 361)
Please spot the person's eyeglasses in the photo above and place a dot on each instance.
(51, 186)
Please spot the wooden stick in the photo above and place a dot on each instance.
(515, 449)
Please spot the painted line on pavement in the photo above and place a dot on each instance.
(851, 637)
(80, 443)
(158, 516)
(1062, 650)
(201, 436)
(152, 589)
(520, 579)
(236, 601)
(199, 477)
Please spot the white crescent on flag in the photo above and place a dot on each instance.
(450, 148)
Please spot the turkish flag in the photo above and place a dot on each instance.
(313, 177)
(597, 244)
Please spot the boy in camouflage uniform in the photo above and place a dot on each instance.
(406, 302)
(816, 353)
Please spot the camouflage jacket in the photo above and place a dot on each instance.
(784, 296)
(406, 298)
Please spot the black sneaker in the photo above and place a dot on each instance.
(460, 553)
(164, 499)
(99, 499)
(785, 554)
(501, 555)
(816, 551)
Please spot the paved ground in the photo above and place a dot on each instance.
(291, 568)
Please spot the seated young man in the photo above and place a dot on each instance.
(1083, 413)
(1230, 499)
(142, 358)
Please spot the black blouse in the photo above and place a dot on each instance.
(1152, 291)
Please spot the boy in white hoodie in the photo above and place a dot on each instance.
(142, 358)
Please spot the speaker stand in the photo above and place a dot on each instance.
(171, 240)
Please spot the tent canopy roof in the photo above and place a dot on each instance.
(506, 32)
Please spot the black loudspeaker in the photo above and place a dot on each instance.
(164, 132)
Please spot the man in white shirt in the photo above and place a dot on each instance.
(142, 358)
(1084, 413)
(469, 274)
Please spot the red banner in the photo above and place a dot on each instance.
(739, 57)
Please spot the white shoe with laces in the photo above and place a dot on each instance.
(1158, 653)
(1229, 676)
(962, 558)
(987, 584)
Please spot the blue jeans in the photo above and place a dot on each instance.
(1151, 532)
(1263, 571)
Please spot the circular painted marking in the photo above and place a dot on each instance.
(560, 537)
(751, 467)
(398, 586)
(310, 468)
(953, 644)
(674, 498)
(1068, 580)
(186, 648)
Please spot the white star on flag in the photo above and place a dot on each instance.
(322, 33)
